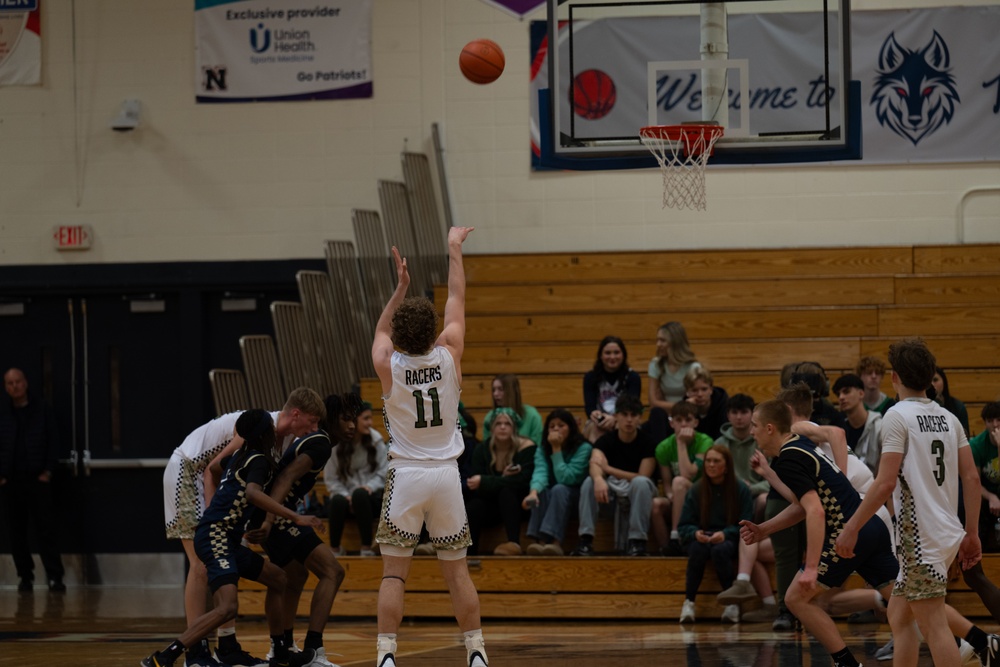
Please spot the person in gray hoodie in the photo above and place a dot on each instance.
(735, 434)
(863, 426)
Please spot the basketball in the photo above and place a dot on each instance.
(481, 61)
(592, 94)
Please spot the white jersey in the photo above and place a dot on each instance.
(926, 494)
(206, 441)
(857, 472)
(421, 410)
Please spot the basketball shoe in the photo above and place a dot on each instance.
(239, 658)
(154, 660)
(300, 659)
(991, 656)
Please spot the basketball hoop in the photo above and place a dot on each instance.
(683, 152)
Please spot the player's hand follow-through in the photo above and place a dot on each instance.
(402, 273)
(459, 234)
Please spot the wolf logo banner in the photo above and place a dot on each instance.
(252, 50)
(20, 43)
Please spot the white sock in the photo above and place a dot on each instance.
(742, 577)
(674, 535)
(879, 602)
(474, 642)
(225, 632)
(386, 644)
(770, 600)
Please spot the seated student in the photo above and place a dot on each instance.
(621, 465)
(218, 544)
(562, 462)
(813, 375)
(709, 401)
(862, 427)
(507, 394)
(947, 401)
(604, 383)
(501, 472)
(984, 452)
(680, 458)
(674, 359)
(871, 370)
(710, 527)
(736, 436)
(355, 479)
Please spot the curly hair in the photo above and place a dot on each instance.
(414, 325)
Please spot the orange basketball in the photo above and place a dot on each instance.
(481, 61)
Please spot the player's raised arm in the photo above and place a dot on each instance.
(453, 334)
(382, 347)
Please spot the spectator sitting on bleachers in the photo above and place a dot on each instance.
(680, 457)
(507, 394)
(985, 453)
(863, 427)
(871, 370)
(736, 436)
(621, 469)
(710, 528)
(604, 383)
(813, 374)
(674, 360)
(562, 462)
(709, 401)
(355, 479)
(501, 471)
(947, 401)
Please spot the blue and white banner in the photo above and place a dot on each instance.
(281, 50)
(20, 43)
(930, 78)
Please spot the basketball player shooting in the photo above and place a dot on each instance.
(421, 385)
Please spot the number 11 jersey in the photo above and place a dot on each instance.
(421, 410)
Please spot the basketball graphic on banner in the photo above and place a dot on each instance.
(592, 94)
(481, 61)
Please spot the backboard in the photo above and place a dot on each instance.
(775, 73)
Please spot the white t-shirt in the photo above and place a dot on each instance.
(926, 494)
(421, 410)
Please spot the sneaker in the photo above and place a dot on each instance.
(784, 623)
(240, 658)
(884, 653)
(583, 549)
(300, 659)
(388, 661)
(766, 614)
(739, 592)
(535, 549)
(966, 652)
(991, 656)
(368, 553)
(477, 660)
(294, 648)
(321, 660)
(552, 549)
(202, 661)
(425, 549)
(687, 612)
(508, 549)
(731, 613)
(673, 549)
(153, 660)
(635, 548)
(25, 586)
(57, 586)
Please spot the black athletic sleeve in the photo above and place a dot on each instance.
(317, 447)
(797, 470)
(257, 471)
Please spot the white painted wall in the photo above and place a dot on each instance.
(218, 182)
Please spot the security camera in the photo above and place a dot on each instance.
(127, 118)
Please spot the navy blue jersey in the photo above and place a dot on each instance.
(317, 447)
(229, 504)
(804, 468)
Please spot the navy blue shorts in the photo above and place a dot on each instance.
(225, 558)
(287, 542)
(873, 558)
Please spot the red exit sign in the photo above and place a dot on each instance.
(72, 237)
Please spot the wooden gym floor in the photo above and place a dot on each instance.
(101, 626)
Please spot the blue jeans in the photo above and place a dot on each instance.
(556, 505)
(723, 557)
(640, 494)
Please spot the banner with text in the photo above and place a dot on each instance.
(257, 51)
(20, 43)
(930, 78)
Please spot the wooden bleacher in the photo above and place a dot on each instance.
(747, 313)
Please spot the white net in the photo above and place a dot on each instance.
(682, 152)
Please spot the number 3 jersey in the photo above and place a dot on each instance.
(421, 410)
(926, 494)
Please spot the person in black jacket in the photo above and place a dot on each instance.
(28, 449)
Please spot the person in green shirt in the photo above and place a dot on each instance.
(680, 458)
(507, 394)
(986, 454)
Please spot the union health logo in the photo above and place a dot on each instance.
(260, 38)
(914, 92)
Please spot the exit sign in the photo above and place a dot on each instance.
(72, 237)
